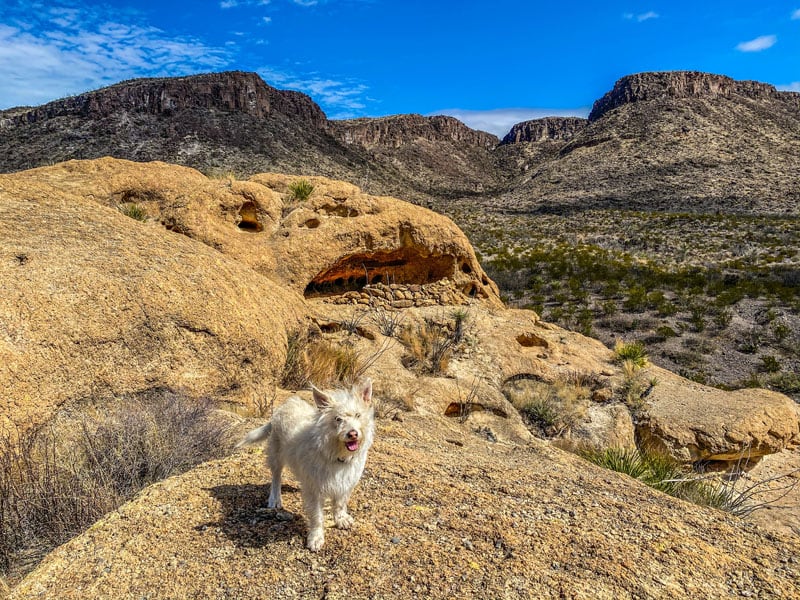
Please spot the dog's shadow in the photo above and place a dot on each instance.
(247, 521)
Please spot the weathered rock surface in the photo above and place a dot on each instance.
(440, 512)
(96, 304)
(139, 306)
(697, 423)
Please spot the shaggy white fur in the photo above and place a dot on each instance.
(325, 448)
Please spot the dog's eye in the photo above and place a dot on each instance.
(338, 419)
(358, 415)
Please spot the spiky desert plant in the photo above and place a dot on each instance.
(300, 190)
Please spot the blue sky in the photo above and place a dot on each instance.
(491, 64)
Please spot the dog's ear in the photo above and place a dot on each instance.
(321, 399)
(363, 390)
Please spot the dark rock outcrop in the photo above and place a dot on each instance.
(397, 130)
(641, 87)
(233, 91)
(548, 128)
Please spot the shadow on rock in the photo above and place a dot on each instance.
(248, 522)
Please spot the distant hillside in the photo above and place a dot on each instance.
(681, 141)
(234, 121)
(668, 141)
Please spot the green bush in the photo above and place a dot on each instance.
(300, 190)
(631, 351)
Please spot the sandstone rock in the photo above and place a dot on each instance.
(539, 523)
(694, 422)
(603, 426)
(97, 304)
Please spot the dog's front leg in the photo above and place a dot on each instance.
(340, 516)
(316, 522)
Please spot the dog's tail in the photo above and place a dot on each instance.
(255, 436)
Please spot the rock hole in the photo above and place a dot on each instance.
(405, 266)
(312, 223)
(465, 268)
(529, 340)
(248, 218)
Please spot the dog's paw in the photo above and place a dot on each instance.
(315, 540)
(343, 521)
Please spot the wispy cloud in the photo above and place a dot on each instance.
(646, 16)
(339, 99)
(789, 87)
(500, 120)
(47, 54)
(796, 14)
(758, 44)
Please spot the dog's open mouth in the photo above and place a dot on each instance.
(351, 446)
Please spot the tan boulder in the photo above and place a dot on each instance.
(694, 422)
(97, 304)
(338, 240)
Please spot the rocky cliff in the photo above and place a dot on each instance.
(234, 91)
(395, 131)
(666, 85)
(559, 129)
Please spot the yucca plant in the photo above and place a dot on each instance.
(300, 190)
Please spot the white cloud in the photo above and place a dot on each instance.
(500, 120)
(646, 16)
(305, 2)
(63, 52)
(267, 20)
(796, 14)
(228, 4)
(339, 99)
(758, 44)
(789, 87)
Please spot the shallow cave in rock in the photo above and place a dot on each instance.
(403, 266)
(248, 218)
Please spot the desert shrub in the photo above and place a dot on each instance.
(636, 300)
(134, 211)
(697, 317)
(788, 383)
(551, 408)
(300, 190)
(460, 317)
(631, 351)
(770, 364)
(388, 322)
(56, 481)
(665, 331)
(723, 318)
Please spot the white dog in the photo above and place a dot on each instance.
(325, 448)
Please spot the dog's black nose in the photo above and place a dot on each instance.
(352, 434)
